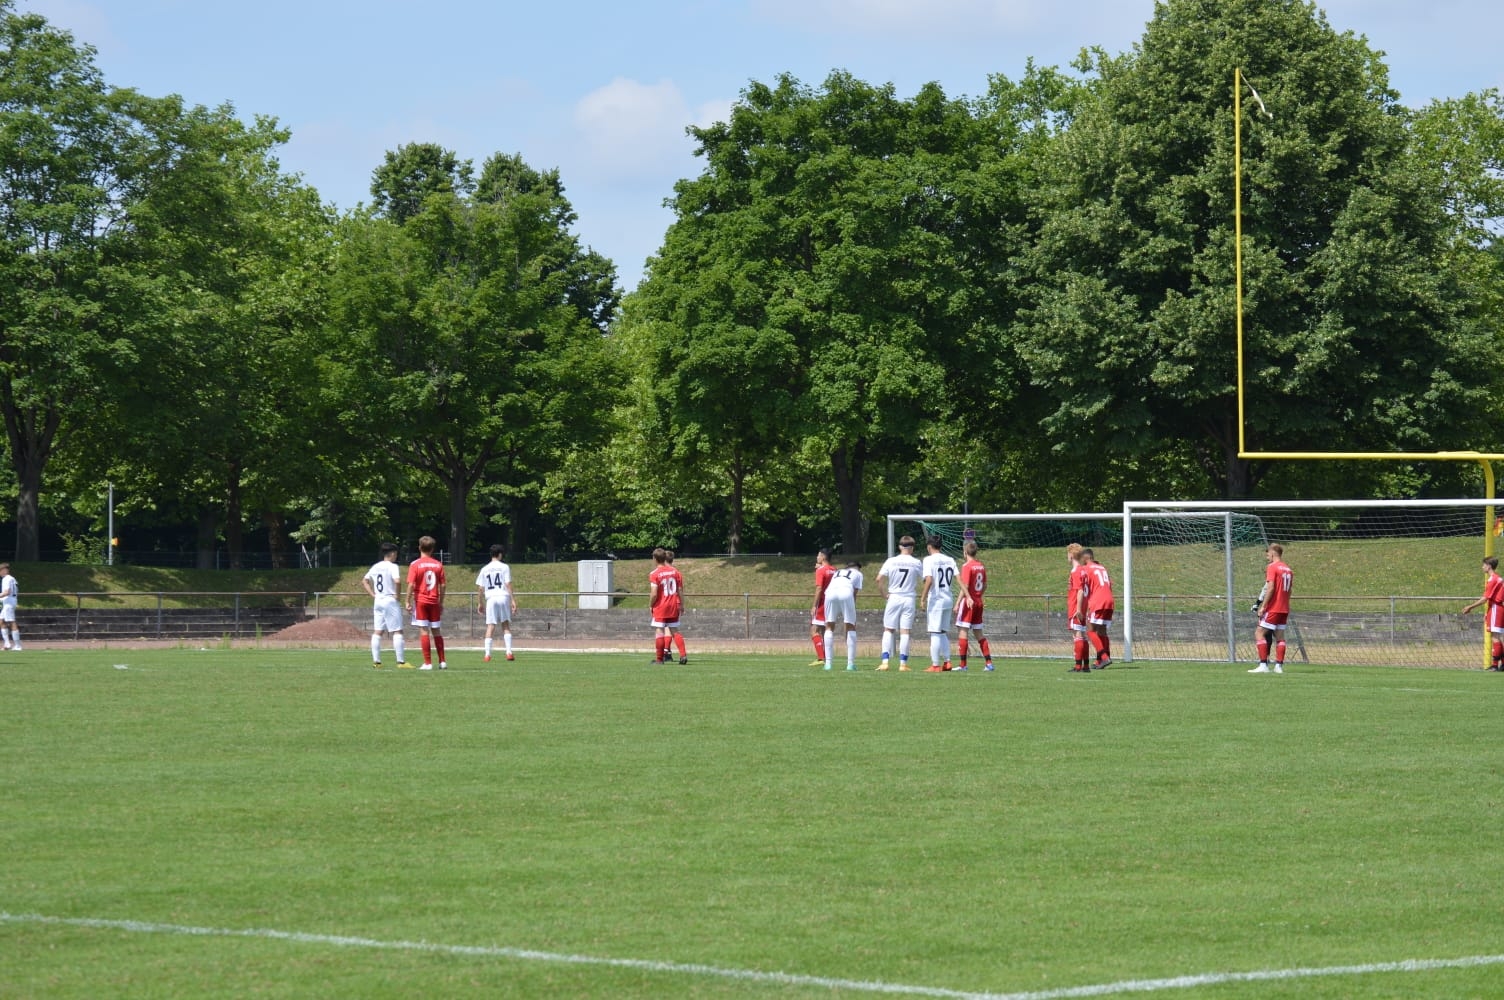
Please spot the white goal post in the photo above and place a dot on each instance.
(1377, 581)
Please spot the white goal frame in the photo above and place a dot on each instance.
(1181, 508)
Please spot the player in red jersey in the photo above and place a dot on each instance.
(1097, 604)
(1493, 617)
(969, 606)
(665, 589)
(823, 572)
(1276, 592)
(1073, 587)
(425, 601)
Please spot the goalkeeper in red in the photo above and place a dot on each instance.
(1274, 600)
(1493, 617)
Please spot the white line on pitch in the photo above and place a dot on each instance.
(752, 975)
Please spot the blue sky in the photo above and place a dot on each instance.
(603, 90)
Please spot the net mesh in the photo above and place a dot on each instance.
(1373, 584)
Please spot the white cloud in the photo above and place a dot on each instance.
(634, 130)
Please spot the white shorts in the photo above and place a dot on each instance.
(659, 624)
(498, 610)
(7, 611)
(899, 613)
(840, 609)
(387, 616)
(938, 615)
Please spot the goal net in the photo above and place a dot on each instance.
(1375, 581)
(1027, 603)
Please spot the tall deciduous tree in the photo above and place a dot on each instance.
(1351, 315)
(220, 408)
(817, 282)
(73, 158)
(464, 336)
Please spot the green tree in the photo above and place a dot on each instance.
(463, 340)
(74, 158)
(221, 408)
(1352, 318)
(817, 283)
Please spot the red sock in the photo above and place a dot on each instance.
(1498, 651)
(1080, 648)
(1279, 651)
(660, 648)
(426, 646)
(819, 641)
(679, 643)
(1263, 648)
(1105, 648)
(438, 642)
(986, 649)
(963, 644)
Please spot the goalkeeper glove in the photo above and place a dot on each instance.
(1258, 603)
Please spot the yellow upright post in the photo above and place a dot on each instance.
(1237, 229)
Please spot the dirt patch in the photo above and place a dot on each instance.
(318, 630)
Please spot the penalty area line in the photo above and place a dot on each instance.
(752, 975)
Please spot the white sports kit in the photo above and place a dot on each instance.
(903, 573)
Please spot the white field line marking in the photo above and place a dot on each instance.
(752, 975)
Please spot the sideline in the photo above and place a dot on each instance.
(752, 975)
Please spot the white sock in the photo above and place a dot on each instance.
(376, 647)
(903, 647)
(934, 649)
(489, 644)
(944, 647)
(851, 647)
(830, 644)
(400, 645)
(506, 640)
(887, 644)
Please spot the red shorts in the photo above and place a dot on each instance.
(1274, 620)
(969, 615)
(428, 613)
(1101, 616)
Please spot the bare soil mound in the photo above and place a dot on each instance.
(319, 630)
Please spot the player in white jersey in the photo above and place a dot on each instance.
(840, 605)
(383, 582)
(901, 574)
(497, 600)
(10, 596)
(937, 599)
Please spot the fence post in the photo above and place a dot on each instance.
(159, 613)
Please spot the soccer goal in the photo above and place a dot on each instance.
(1376, 581)
(1028, 606)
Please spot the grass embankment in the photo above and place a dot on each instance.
(1418, 567)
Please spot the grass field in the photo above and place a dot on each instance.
(254, 823)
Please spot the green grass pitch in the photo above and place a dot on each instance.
(268, 823)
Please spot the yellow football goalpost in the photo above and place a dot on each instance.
(1485, 460)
